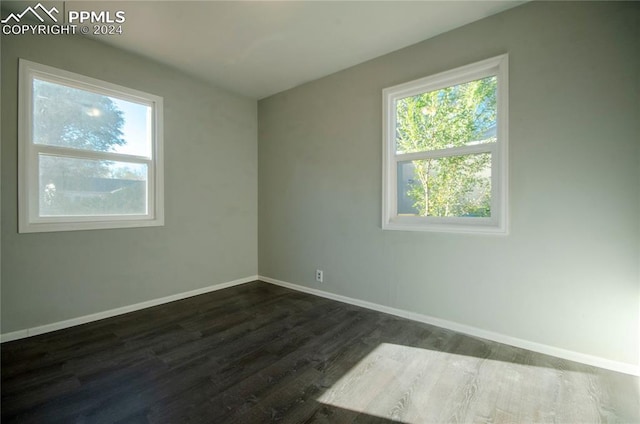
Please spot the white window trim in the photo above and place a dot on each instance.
(29, 220)
(498, 222)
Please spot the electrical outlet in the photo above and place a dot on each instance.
(319, 275)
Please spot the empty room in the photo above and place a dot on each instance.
(320, 212)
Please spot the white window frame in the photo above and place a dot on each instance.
(498, 222)
(29, 220)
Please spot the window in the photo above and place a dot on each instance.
(445, 151)
(90, 153)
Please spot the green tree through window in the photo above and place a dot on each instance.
(90, 153)
(79, 119)
(456, 116)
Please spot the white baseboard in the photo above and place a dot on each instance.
(472, 331)
(462, 328)
(20, 334)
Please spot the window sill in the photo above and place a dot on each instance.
(450, 226)
(42, 227)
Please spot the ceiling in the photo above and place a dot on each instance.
(260, 48)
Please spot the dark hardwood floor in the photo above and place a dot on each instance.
(259, 353)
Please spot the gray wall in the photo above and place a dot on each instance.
(210, 234)
(568, 273)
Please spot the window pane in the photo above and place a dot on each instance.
(455, 186)
(73, 187)
(70, 117)
(460, 115)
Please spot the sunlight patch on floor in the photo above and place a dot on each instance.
(413, 385)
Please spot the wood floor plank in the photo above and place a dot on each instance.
(235, 393)
(258, 353)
